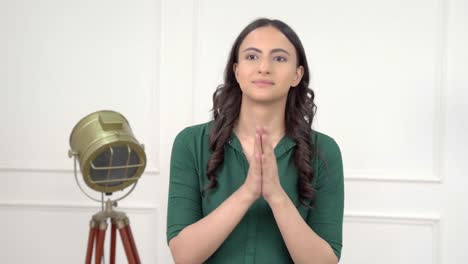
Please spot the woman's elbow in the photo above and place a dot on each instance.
(333, 259)
(178, 255)
(175, 252)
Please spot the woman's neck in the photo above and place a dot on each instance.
(268, 116)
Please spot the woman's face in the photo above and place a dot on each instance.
(267, 66)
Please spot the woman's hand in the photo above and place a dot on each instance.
(271, 186)
(253, 182)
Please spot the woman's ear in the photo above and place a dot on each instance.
(298, 77)
(235, 69)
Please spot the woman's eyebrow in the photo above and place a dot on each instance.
(271, 52)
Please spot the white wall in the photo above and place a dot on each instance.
(61, 60)
(391, 85)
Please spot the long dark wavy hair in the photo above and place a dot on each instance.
(299, 113)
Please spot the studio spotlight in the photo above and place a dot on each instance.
(110, 159)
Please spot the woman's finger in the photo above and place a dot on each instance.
(257, 154)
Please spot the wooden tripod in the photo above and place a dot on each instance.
(97, 232)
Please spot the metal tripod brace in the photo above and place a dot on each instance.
(97, 232)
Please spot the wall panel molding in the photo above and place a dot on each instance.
(428, 220)
(195, 53)
(440, 86)
(61, 171)
(384, 177)
(440, 91)
(80, 207)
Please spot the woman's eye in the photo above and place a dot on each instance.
(280, 58)
(251, 57)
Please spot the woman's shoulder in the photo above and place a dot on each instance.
(194, 131)
(329, 161)
(325, 144)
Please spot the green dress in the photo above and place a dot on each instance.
(256, 239)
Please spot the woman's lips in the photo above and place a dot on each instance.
(263, 83)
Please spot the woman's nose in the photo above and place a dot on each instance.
(264, 67)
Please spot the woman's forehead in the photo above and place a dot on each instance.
(266, 38)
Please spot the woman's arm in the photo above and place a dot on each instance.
(303, 244)
(198, 241)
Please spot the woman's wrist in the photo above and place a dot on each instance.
(278, 199)
(245, 195)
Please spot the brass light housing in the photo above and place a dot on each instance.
(110, 157)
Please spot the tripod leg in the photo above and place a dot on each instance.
(100, 241)
(132, 243)
(112, 245)
(91, 239)
(126, 242)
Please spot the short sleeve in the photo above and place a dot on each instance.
(326, 215)
(184, 199)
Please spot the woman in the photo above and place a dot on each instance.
(257, 184)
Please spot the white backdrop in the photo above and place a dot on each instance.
(391, 87)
